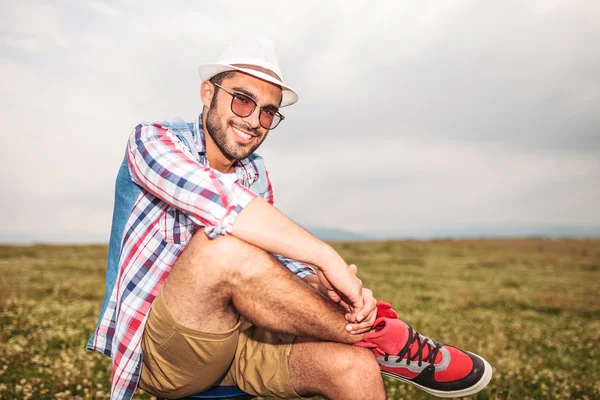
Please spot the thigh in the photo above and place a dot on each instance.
(197, 290)
(178, 361)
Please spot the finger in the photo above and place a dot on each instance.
(364, 326)
(372, 317)
(359, 328)
(354, 269)
(356, 307)
(360, 331)
(333, 296)
(345, 306)
(349, 315)
(370, 304)
(360, 303)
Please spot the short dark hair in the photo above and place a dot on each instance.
(219, 78)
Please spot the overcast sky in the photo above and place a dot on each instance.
(413, 115)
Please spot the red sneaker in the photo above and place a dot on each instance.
(441, 370)
(384, 310)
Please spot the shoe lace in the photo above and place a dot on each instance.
(414, 337)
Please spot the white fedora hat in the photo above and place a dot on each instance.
(247, 52)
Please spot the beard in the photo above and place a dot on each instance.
(217, 129)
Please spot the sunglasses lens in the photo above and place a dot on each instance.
(269, 119)
(242, 105)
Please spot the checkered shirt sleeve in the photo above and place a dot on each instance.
(161, 164)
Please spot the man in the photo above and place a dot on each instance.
(203, 283)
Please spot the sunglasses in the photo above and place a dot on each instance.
(243, 106)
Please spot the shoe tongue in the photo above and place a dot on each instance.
(391, 335)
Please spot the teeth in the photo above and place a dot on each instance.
(241, 134)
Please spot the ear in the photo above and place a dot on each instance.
(207, 91)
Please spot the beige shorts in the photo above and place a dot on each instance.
(179, 361)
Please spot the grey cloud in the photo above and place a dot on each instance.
(412, 115)
(497, 73)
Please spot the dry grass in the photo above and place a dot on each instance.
(530, 307)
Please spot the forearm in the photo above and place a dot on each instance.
(263, 226)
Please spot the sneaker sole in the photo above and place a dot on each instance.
(479, 386)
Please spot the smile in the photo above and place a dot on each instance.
(242, 134)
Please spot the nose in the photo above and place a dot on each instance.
(253, 119)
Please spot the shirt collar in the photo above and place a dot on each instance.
(246, 169)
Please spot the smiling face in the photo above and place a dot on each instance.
(236, 137)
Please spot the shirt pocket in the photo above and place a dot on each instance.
(176, 226)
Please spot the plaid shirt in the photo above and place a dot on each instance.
(176, 193)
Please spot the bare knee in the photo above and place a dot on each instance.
(198, 290)
(236, 258)
(358, 366)
(359, 375)
(228, 253)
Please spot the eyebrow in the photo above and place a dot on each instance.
(253, 97)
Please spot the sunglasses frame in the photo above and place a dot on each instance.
(233, 97)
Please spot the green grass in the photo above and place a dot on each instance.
(530, 307)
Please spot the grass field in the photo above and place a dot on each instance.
(530, 307)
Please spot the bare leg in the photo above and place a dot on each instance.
(216, 280)
(337, 371)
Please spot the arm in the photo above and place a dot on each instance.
(163, 166)
(309, 245)
(266, 227)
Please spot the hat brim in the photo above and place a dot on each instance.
(289, 95)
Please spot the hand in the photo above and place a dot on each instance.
(369, 309)
(328, 290)
(345, 289)
(368, 300)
